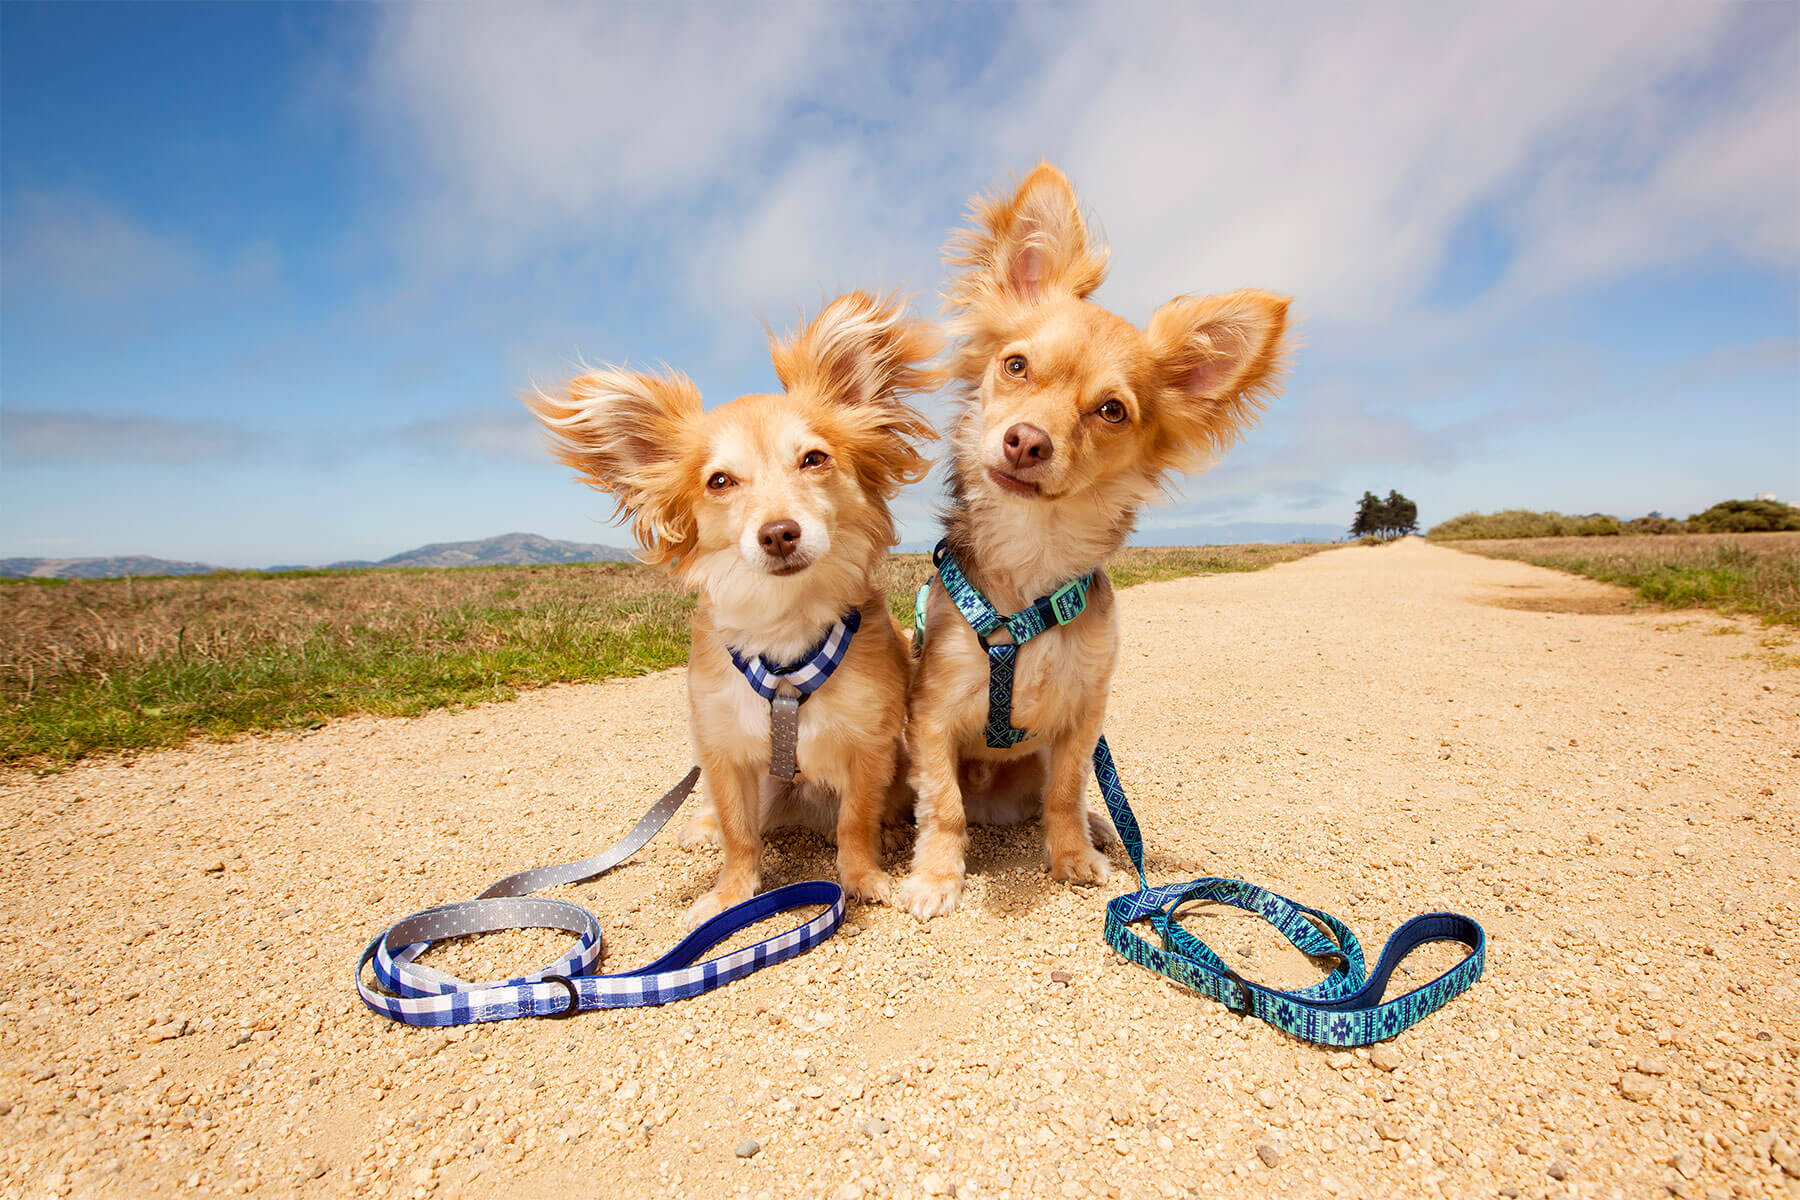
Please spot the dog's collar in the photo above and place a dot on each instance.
(1058, 608)
(809, 672)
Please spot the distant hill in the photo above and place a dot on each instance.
(97, 568)
(506, 550)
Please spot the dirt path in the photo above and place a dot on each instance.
(1613, 794)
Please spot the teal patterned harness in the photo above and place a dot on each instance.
(1346, 1008)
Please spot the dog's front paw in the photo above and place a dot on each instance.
(931, 895)
(713, 903)
(1080, 864)
(873, 886)
(701, 831)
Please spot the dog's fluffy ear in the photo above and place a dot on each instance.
(1220, 359)
(861, 358)
(1025, 247)
(859, 350)
(630, 435)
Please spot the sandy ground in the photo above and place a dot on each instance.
(1379, 732)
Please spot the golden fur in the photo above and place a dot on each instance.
(701, 489)
(1110, 409)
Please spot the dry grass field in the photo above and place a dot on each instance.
(1755, 573)
(123, 663)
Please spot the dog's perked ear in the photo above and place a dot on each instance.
(629, 435)
(862, 358)
(1220, 359)
(1025, 247)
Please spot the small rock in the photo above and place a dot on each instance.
(850, 1191)
(1390, 1131)
(1386, 1055)
(216, 867)
(1558, 1170)
(1510, 1192)
(1269, 1152)
(812, 1091)
(631, 1091)
(1783, 1156)
(1650, 1064)
(1684, 851)
(747, 1148)
(874, 1127)
(1688, 1163)
(1634, 1086)
(1060, 977)
(1340, 1060)
(1266, 1097)
(932, 1185)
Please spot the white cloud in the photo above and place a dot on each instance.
(530, 123)
(33, 436)
(69, 245)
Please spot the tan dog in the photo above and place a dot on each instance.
(775, 510)
(1070, 419)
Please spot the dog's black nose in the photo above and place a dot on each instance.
(1027, 445)
(779, 537)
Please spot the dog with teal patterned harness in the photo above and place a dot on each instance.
(1069, 419)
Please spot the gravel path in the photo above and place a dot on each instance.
(1380, 732)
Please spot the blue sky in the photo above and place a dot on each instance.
(272, 276)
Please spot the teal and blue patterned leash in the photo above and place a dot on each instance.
(1343, 1009)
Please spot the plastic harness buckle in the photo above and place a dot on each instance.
(1068, 601)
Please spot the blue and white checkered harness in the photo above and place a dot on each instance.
(1343, 1009)
(807, 674)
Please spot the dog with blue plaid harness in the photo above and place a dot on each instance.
(775, 510)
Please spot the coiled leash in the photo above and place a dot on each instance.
(1343, 1009)
(414, 994)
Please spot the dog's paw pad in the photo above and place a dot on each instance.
(928, 896)
(1082, 865)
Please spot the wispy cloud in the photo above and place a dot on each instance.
(73, 246)
(36, 437)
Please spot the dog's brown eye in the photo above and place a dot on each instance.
(815, 458)
(718, 481)
(1015, 365)
(1112, 412)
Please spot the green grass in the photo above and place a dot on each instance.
(1751, 573)
(120, 664)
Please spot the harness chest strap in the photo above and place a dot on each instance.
(1346, 1008)
(806, 675)
(1058, 608)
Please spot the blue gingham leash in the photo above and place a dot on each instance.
(1343, 1009)
(414, 994)
(1058, 608)
(806, 675)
